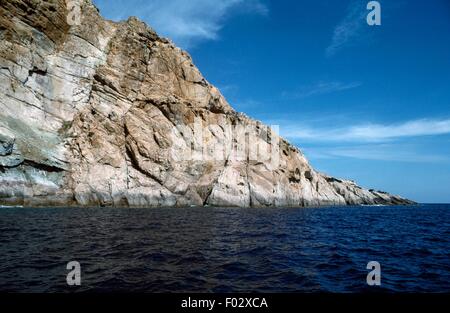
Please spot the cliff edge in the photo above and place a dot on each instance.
(98, 113)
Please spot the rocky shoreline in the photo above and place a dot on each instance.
(91, 113)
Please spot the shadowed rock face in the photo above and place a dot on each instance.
(90, 115)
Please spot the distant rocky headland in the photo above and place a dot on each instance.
(99, 113)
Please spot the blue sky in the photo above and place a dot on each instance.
(368, 103)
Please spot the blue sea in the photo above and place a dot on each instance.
(226, 249)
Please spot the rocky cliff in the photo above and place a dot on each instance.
(98, 113)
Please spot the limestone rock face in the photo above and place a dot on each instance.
(99, 113)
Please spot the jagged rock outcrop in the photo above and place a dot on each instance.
(91, 113)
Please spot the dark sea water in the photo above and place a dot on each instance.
(226, 249)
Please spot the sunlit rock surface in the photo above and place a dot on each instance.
(90, 115)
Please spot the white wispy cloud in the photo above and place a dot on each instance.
(334, 137)
(247, 104)
(377, 152)
(319, 88)
(186, 22)
(349, 28)
(368, 132)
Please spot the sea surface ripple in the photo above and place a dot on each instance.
(226, 249)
